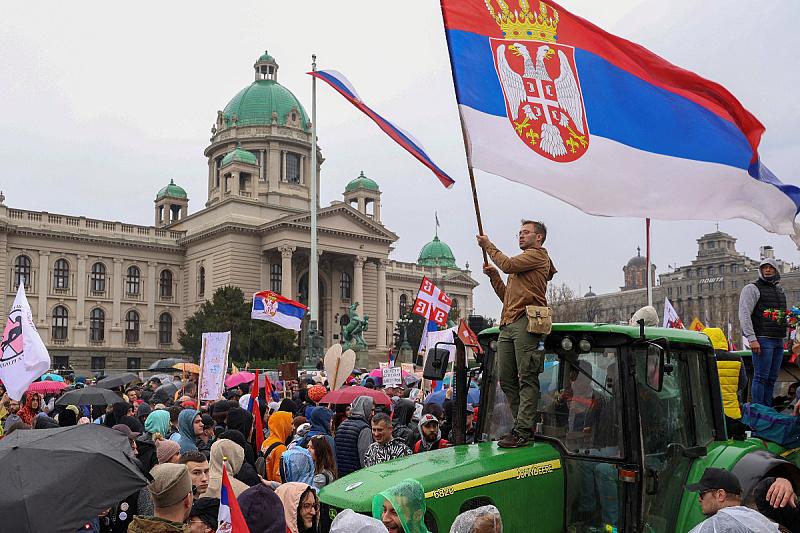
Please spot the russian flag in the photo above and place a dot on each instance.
(279, 310)
(550, 100)
(403, 138)
(230, 516)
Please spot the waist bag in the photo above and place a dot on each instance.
(769, 424)
(540, 319)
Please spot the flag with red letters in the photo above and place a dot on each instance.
(432, 303)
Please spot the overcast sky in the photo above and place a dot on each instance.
(102, 103)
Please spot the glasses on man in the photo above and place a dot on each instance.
(525, 233)
(702, 493)
(309, 506)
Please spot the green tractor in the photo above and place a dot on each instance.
(627, 416)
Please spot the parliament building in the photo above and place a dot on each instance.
(108, 295)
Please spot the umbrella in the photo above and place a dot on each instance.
(36, 465)
(54, 377)
(166, 364)
(162, 377)
(239, 378)
(378, 373)
(165, 391)
(116, 380)
(473, 396)
(89, 396)
(348, 394)
(411, 379)
(188, 367)
(47, 387)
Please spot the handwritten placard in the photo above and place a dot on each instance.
(213, 364)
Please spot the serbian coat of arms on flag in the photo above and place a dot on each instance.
(540, 82)
(432, 303)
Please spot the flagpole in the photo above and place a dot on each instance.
(649, 273)
(313, 274)
(472, 183)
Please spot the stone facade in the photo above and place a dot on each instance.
(111, 295)
(708, 288)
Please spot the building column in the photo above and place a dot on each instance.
(44, 269)
(286, 270)
(116, 286)
(81, 288)
(362, 205)
(235, 185)
(265, 267)
(358, 281)
(382, 264)
(283, 166)
(152, 292)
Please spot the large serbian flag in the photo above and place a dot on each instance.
(279, 310)
(432, 303)
(403, 138)
(550, 100)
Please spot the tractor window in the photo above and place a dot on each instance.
(581, 404)
(703, 415)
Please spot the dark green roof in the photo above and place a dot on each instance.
(240, 154)
(361, 181)
(255, 103)
(171, 190)
(436, 253)
(266, 57)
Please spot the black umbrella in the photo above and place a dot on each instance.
(89, 396)
(166, 364)
(115, 380)
(167, 390)
(93, 461)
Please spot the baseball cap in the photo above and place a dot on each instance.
(125, 430)
(427, 419)
(208, 422)
(716, 478)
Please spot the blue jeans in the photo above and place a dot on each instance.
(765, 369)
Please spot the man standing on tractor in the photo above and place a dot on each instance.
(520, 360)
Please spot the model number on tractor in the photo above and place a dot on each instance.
(444, 491)
(534, 470)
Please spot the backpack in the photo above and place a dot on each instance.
(769, 424)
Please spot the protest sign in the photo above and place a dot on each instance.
(213, 364)
(392, 377)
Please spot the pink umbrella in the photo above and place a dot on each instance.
(238, 379)
(377, 373)
(47, 387)
(348, 394)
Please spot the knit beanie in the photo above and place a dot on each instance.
(165, 449)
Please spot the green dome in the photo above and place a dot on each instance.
(254, 105)
(171, 190)
(435, 251)
(266, 57)
(361, 181)
(240, 154)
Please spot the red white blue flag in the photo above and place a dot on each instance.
(277, 309)
(403, 138)
(550, 100)
(230, 518)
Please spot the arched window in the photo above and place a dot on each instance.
(131, 326)
(60, 318)
(98, 277)
(22, 271)
(275, 278)
(165, 328)
(61, 274)
(201, 278)
(165, 283)
(344, 284)
(97, 325)
(403, 304)
(133, 280)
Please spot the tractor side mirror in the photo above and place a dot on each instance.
(655, 367)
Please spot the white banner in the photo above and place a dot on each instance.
(392, 376)
(446, 335)
(24, 356)
(671, 318)
(213, 364)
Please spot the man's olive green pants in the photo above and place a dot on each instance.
(519, 364)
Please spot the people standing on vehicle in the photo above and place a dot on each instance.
(519, 360)
(732, 375)
(720, 497)
(386, 447)
(354, 436)
(765, 335)
(431, 435)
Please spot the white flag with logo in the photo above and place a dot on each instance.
(671, 318)
(24, 356)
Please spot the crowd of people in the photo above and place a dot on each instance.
(180, 445)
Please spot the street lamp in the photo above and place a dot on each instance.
(405, 347)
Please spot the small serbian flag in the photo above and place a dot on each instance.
(432, 303)
(342, 85)
(230, 518)
(279, 310)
